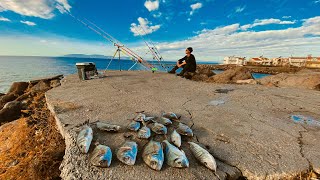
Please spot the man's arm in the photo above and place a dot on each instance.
(180, 61)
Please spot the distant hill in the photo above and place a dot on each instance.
(94, 56)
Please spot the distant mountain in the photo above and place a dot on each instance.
(94, 56)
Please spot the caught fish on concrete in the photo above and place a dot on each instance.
(127, 153)
(108, 127)
(159, 128)
(165, 121)
(153, 155)
(184, 130)
(170, 115)
(175, 138)
(203, 156)
(148, 119)
(144, 132)
(140, 117)
(134, 126)
(174, 157)
(101, 156)
(84, 139)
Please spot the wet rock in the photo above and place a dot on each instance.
(7, 98)
(11, 111)
(55, 83)
(231, 76)
(18, 88)
(40, 86)
(304, 80)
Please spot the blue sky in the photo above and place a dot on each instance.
(214, 28)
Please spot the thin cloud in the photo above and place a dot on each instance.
(316, 1)
(240, 9)
(152, 5)
(263, 22)
(41, 8)
(143, 28)
(194, 7)
(29, 23)
(4, 19)
(287, 17)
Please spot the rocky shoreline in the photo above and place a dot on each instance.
(31, 145)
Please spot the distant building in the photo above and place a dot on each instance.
(313, 64)
(280, 61)
(260, 61)
(234, 60)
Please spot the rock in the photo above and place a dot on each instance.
(55, 83)
(7, 98)
(40, 86)
(11, 111)
(1, 94)
(200, 77)
(303, 79)
(248, 81)
(231, 75)
(206, 71)
(59, 77)
(18, 88)
(202, 74)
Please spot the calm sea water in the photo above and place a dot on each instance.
(15, 69)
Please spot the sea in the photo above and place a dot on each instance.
(17, 69)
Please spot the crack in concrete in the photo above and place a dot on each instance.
(191, 119)
(300, 142)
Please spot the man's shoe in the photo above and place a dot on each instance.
(172, 72)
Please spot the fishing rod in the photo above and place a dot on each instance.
(156, 54)
(115, 42)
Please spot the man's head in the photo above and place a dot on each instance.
(189, 50)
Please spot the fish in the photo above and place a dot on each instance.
(108, 127)
(134, 126)
(84, 139)
(165, 121)
(101, 156)
(184, 130)
(175, 157)
(147, 119)
(144, 132)
(203, 156)
(140, 117)
(175, 138)
(127, 153)
(159, 128)
(170, 115)
(153, 155)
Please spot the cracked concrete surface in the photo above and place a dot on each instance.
(251, 132)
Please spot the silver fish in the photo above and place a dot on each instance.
(175, 138)
(101, 156)
(127, 153)
(153, 155)
(203, 156)
(144, 133)
(175, 157)
(108, 127)
(184, 130)
(170, 115)
(134, 126)
(147, 119)
(84, 139)
(165, 121)
(159, 128)
(140, 117)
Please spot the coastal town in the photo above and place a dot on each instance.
(308, 61)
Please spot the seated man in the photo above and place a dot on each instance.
(188, 63)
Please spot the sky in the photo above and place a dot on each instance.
(214, 28)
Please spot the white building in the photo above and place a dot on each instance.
(234, 60)
(298, 61)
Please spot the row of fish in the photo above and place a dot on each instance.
(153, 154)
(158, 127)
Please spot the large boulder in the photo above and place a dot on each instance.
(231, 75)
(18, 88)
(304, 79)
(202, 74)
(41, 86)
(1, 94)
(7, 98)
(11, 111)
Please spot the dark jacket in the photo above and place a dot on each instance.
(191, 65)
